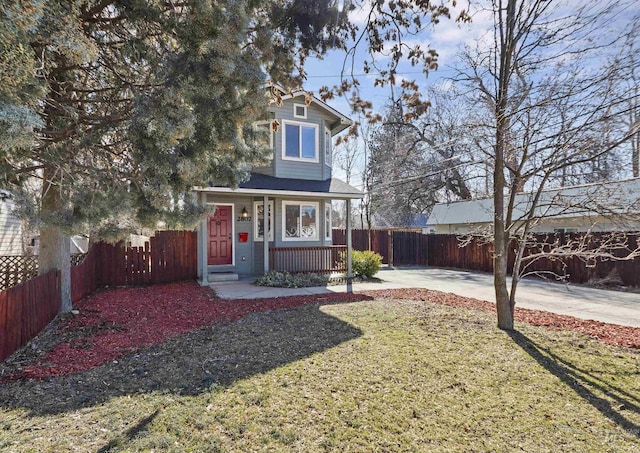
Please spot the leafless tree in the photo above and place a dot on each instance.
(552, 105)
(417, 161)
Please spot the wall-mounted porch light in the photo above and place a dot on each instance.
(244, 214)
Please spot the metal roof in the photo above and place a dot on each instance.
(613, 198)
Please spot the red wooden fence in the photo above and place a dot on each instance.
(397, 247)
(169, 256)
(26, 309)
(173, 256)
(444, 251)
(409, 248)
(377, 240)
(83, 277)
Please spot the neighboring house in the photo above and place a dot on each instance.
(14, 240)
(610, 206)
(295, 189)
(10, 226)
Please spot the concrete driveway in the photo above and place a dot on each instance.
(614, 307)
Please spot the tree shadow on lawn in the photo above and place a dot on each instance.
(131, 433)
(219, 354)
(585, 384)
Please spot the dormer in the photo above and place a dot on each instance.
(303, 143)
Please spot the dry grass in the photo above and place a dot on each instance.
(368, 376)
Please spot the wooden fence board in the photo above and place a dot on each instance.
(26, 309)
(441, 250)
(396, 247)
(444, 251)
(83, 277)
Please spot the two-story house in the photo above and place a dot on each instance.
(295, 190)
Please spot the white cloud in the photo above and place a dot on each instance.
(360, 14)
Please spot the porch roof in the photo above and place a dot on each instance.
(259, 184)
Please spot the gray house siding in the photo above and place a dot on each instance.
(302, 170)
(284, 168)
(10, 229)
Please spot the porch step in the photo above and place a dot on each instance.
(222, 277)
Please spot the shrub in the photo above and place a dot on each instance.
(288, 280)
(365, 263)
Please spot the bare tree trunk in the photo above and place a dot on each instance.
(54, 244)
(503, 305)
(501, 236)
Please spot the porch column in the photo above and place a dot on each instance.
(265, 231)
(203, 256)
(349, 267)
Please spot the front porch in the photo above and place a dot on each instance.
(254, 230)
(330, 259)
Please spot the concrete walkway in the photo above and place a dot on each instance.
(614, 307)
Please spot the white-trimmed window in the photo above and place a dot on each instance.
(258, 222)
(300, 111)
(327, 220)
(300, 221)
(327, 147)
(264, 133)
(300, 141)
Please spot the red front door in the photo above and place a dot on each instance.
(220, 236)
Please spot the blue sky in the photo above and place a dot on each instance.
(446, 37)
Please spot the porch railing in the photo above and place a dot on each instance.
(322, 259)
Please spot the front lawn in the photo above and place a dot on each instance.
(371, 375)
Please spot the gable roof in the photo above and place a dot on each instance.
(341, 121)
(616, 197)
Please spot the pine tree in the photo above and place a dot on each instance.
(120, 107)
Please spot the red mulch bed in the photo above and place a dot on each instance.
(118, 321)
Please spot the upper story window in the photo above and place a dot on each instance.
(300, 111)
(300, 141)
